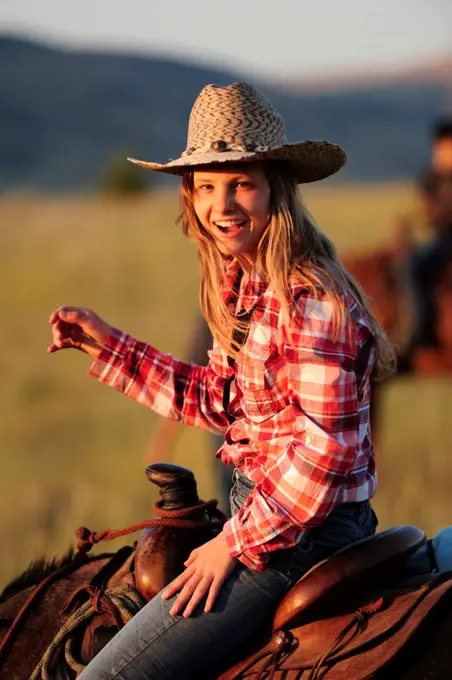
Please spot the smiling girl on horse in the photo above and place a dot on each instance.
(288, 383)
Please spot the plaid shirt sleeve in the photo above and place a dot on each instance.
(300, 485)
(175, 389)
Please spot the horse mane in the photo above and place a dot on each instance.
(35, 573)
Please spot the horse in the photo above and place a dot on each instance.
(380, 274)
(359, 614)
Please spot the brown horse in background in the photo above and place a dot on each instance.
(380, 273)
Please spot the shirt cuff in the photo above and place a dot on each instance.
(249, 557)
(120, 356)
(112, 353)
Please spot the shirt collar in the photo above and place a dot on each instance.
(251, 288)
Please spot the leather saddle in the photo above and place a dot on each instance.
(184, 523)
(349, 615)
(324, 622)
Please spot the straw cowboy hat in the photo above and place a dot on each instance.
(236, 123)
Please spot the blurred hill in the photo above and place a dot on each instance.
(64, 113)
(438, 71)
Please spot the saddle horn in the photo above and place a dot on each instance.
(177, 485)
(162, 550)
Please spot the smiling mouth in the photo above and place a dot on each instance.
(230, 227)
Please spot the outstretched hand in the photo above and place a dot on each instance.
(78, 328)
(206, 570)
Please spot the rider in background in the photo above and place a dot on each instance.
(428, 262)
(442, 146)
(288, 383)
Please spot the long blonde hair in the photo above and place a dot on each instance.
(291, 246)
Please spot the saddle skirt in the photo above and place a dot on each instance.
(354, 643)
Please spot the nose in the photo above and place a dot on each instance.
(224, 200)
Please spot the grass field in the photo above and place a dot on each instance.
(73, 452)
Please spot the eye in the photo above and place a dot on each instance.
(204, 187)
(244, 184)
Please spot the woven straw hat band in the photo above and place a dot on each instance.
(233, 118)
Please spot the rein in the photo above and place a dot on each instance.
(177, 519)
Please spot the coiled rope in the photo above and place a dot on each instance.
(126, 600)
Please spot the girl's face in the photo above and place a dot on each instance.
(233, 203)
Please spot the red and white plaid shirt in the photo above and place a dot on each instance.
(300, 401)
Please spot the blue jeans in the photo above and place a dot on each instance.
(157, 646)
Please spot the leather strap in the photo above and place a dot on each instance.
(238, 340)
(431, 556)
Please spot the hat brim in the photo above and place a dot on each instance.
(311, 160)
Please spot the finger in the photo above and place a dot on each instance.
(68, 331)
(197, 597)
(176, 585)
(191, 558)
(61, 325)
(73, 315)
(185, 595)
(56, 348)
(57, 335)
(60, 339)
(213, 593)
(55, 315)
(53, 318)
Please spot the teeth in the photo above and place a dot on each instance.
(231, 223)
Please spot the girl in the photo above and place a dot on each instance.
(288, 383)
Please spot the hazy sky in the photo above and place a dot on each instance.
(277, 37)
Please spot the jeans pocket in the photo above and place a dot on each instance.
(345, 525)
(300, 560)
